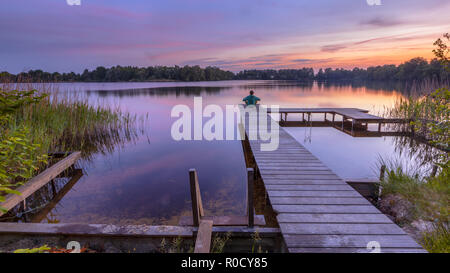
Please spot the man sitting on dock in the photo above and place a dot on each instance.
(251, 99)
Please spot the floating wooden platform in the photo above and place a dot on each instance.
(318, 211)
(357, 117)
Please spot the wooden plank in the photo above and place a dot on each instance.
(269, 165)
(347, 209)
(267, 169)
(349, 241)
(319, 201)
(203, 241)
(304, 177)
(95, 229)
(287, 162)
(285, 187)
(39, 181)
(337, 229)
(303, 182)
(196, 199)
(295, 193)
(301, 172)
(281, 156)
(250, 190)
(296, 152)
(355, 250)
(231, 220)
(333, 218)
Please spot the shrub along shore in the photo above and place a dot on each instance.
(420, 202)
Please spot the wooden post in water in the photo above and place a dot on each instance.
(434, 171)
(250, 185)
(382, 171)
(197, 206)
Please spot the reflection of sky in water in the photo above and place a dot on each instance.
(147, 181)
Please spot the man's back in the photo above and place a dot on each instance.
(251, 99)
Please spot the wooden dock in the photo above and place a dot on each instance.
(318, 211)
(356, 116)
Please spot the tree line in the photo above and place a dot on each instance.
(128, 74)
(414, 69)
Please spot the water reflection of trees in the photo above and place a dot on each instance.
(187, 91)
(422, 153)
(405, 88)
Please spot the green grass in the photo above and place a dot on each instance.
(429, 199)
(429, 196)
(438, 240)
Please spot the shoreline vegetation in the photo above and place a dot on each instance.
(35, 123)
(416, 69)
(418, 201)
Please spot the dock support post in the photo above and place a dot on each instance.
(52, 183)
(303, 117)
(333, 117)
(325, 118)
(379, 127)
(197, 206)
(434, 171)
(382, 171)
(250, 185)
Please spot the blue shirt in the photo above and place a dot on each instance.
(251, 99)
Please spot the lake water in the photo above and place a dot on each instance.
(145, 181)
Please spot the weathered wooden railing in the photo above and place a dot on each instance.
(39, 181)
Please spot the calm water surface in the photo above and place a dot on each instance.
(145, 181)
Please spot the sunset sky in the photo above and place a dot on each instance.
(230, 34)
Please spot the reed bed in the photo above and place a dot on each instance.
(427, 193)
(63, 122)
(428, 109)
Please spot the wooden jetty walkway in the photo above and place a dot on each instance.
(357, 116)
(318, 211)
